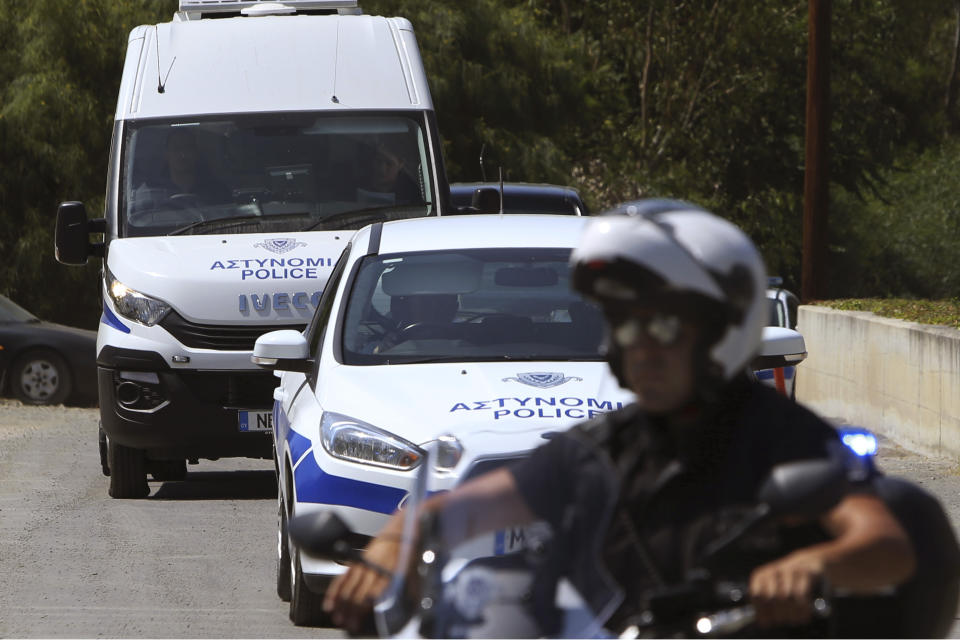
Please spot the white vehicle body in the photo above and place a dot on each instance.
(782, 305)
(504, 355)
(475, 404)
(279, 114)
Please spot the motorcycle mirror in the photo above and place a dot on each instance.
(323, 534)
(806, 488)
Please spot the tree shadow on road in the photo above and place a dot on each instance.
(218, 485)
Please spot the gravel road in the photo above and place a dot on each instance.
(195, 560)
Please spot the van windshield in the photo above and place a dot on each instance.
(265, 173)
(469, 306)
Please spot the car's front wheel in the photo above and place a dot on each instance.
(128, 471)
(41, 377)
(284, 584)
(306, 606)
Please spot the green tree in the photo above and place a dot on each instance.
(58, 84)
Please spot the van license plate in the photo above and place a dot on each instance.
(255, 420)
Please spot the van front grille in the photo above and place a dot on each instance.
(219, 337)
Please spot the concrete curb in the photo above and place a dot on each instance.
(901, 379)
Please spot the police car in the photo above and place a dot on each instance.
(454, 337)
(518, 197)
(782, 306)
(458, 335)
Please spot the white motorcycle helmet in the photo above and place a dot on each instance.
(676, 256)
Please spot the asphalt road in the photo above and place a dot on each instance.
(194, 560)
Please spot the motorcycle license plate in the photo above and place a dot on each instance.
(510, 540)
(255, 420)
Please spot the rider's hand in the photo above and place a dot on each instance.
(350, 597)
(782, 591)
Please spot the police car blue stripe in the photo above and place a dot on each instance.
(111, 320)
(315, 485)
(767, 374)
(299, 445)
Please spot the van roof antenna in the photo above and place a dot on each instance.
(161, 83)
(483, 174)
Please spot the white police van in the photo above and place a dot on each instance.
(460, 336)
(250, 138)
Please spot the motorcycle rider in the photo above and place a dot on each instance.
(682, 291)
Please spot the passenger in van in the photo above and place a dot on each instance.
(185, 178)
(385, 179)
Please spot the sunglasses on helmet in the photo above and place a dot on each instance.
(662, 328)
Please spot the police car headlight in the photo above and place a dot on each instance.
(135, 305)
(357, 441)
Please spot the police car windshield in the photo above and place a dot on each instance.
(291, 170)
(468, 305)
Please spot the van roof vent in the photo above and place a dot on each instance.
(195, 9)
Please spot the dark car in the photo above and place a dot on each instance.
(42, 362)
(518, 197)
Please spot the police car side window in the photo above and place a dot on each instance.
(318, 326)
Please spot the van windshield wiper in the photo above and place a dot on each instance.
(365, 215)
(234, 221)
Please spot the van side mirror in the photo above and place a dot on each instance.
(780, 347)
(72, 234)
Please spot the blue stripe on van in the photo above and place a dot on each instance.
(111, 320)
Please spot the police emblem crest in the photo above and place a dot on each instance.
(542, 379)
(280, 245)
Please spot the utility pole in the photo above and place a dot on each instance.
(816, 180)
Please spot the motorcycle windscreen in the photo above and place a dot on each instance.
(474, 569)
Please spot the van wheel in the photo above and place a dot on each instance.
(128, 472)
(306, 607)
(102, 446)
(284, 585)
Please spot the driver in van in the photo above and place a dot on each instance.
(185, 177)
(682, 293)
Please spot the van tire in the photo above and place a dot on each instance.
(128, 472)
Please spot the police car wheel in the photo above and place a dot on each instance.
(41, 377)
(128, 472)
(284, 586)
(306, 606)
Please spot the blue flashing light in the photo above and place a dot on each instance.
(861, 442)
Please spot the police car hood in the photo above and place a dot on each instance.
(418, 402)
(231, 279)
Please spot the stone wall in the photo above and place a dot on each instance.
(900, 379)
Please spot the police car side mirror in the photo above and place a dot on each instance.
(283, 350)
(780, 347)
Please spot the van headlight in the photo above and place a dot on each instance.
(356, 441)
(134, 305)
